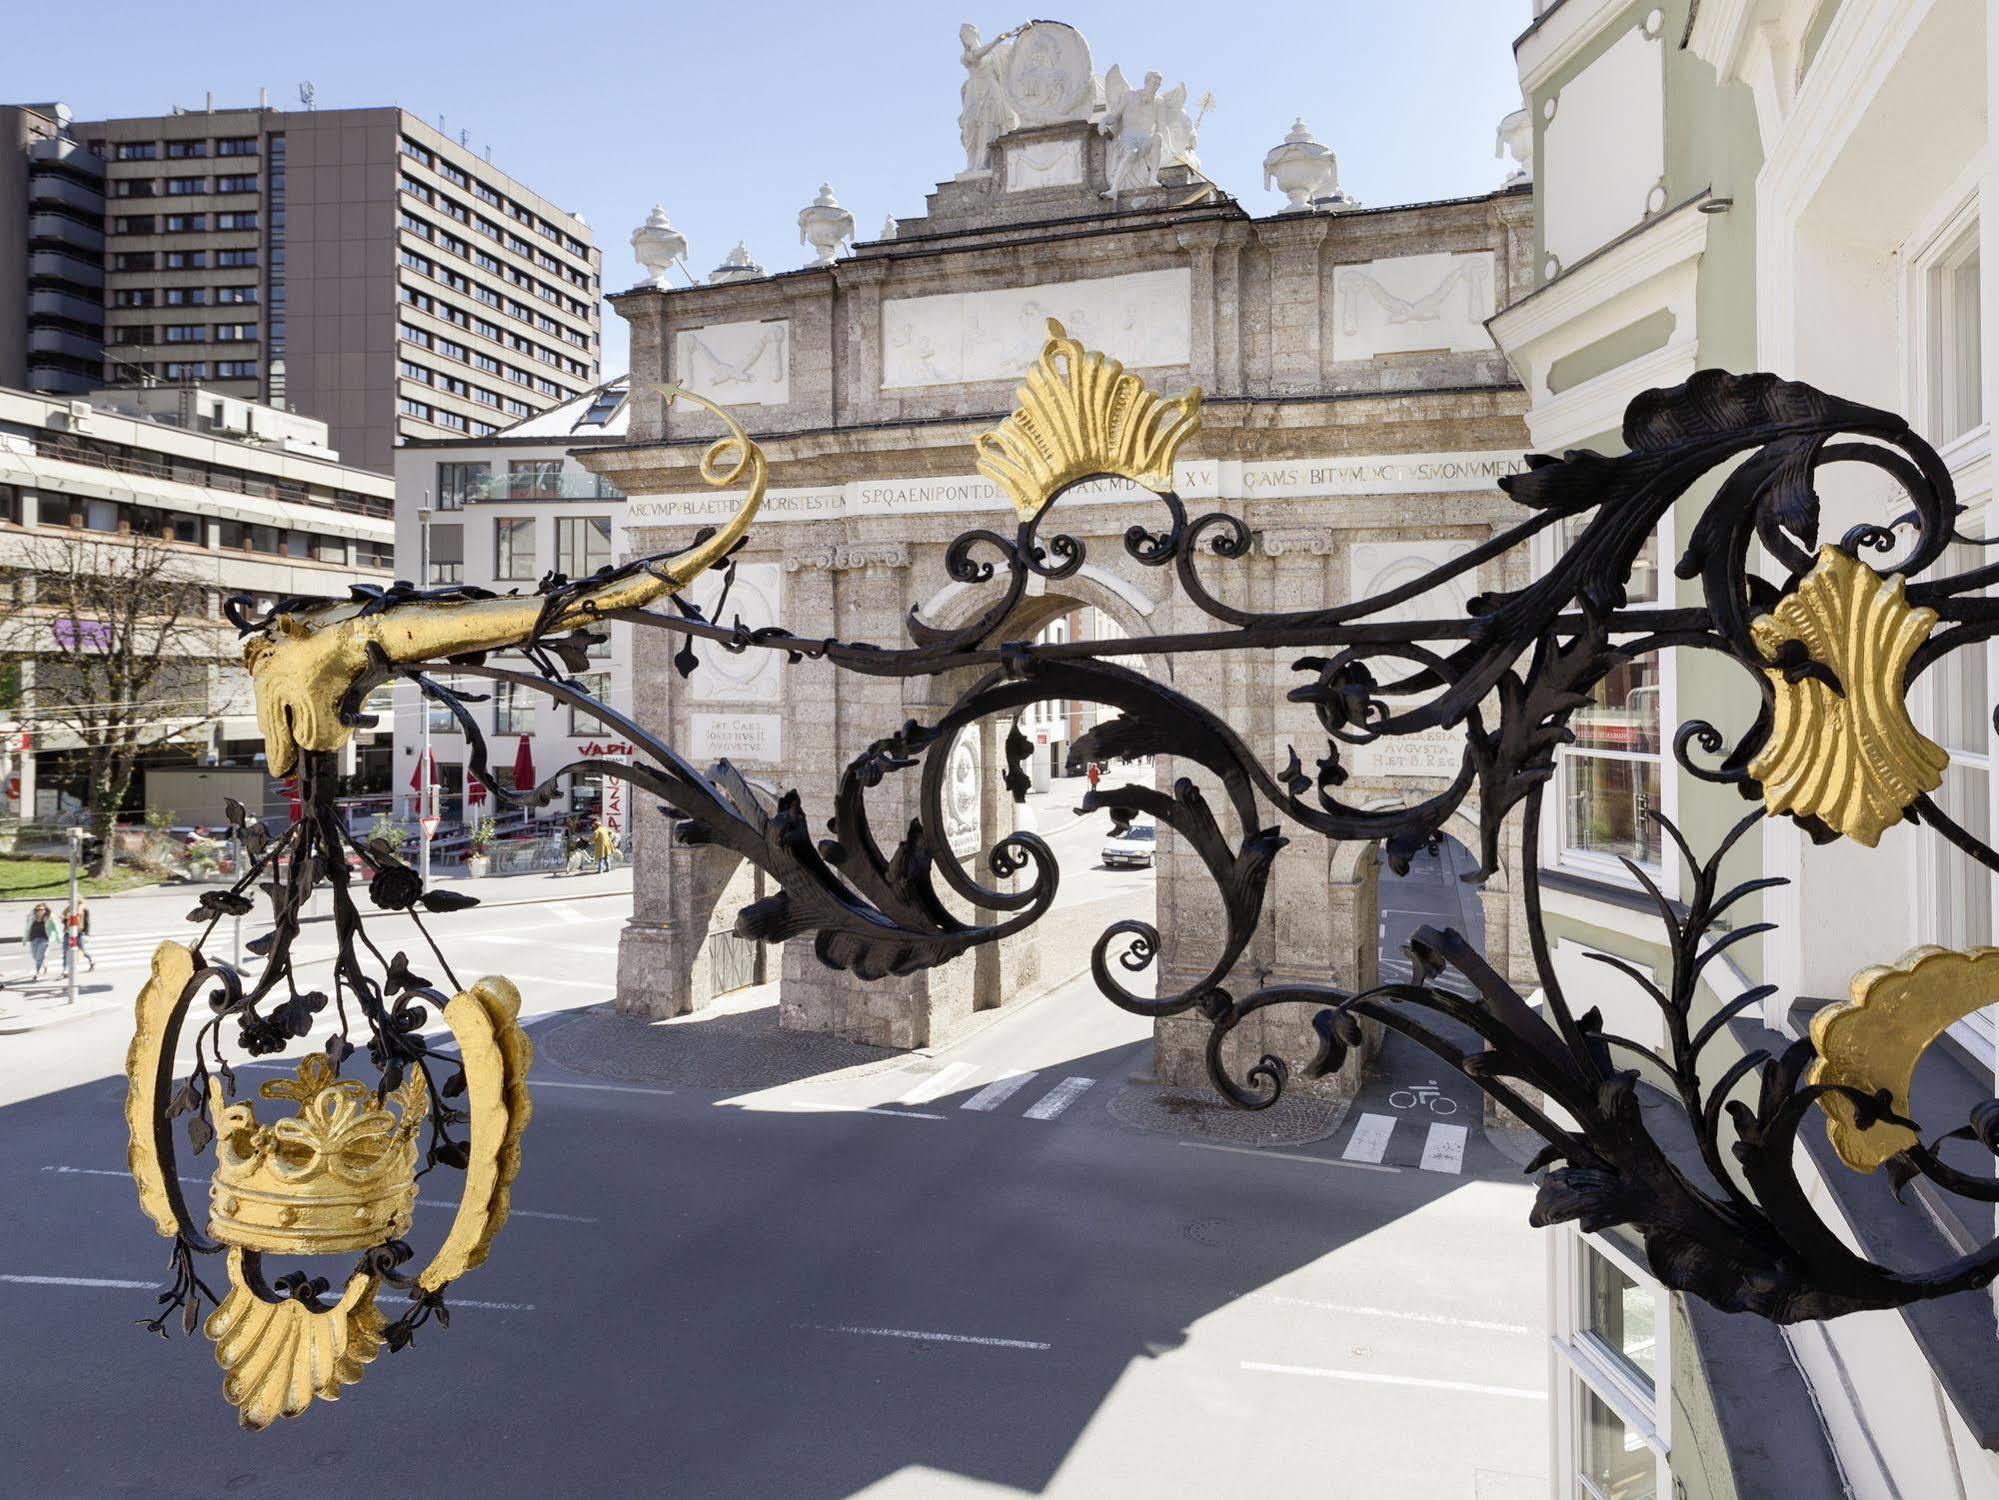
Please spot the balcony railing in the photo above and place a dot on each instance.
(236, 484)
(61, 229)
(45, 189)
(62, 265)
(544, 487)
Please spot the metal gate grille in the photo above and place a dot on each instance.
(732, 960)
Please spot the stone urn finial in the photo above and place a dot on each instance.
(736, 266)
(889, 227)
(656, 245)
(824, 225)
(1301, 168)
(1516, 139)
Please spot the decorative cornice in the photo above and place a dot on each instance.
(1315, 541)
(798, 559)
(872, 555)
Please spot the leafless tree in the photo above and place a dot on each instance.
(120, 642)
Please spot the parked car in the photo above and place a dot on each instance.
(1131, 847)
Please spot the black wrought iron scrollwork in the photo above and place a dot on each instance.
(1713, 1191)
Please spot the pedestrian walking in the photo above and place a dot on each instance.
(79, 932)
(1095, 773)
(604, 844)
(41, 932)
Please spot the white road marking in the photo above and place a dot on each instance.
(491, 1306)
(1001, 1089)
(1369, 1377)
(1317, 1161)
(534, 1084)
(936, 1085)
(1059, 1098)
(917, 1333)
(451, 1203)
(567, 913)
(1440, 1319)
(817, 1107)
(1369, 1141)
(123, 1286)
(1444, 1151)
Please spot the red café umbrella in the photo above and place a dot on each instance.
(475, 791)
(427, 759)
(524, 776)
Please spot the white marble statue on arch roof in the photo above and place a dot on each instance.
(1149, 131)
(985, 112)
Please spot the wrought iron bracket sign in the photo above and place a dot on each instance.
(1715, 1196)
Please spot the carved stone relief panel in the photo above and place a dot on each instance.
(738, 364)
(955, 337)
(1411, 303)
(1043, 164)
(752, 676)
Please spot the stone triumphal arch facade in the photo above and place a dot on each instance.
(1356, 416)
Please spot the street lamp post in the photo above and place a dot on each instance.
(72, 931)
(426, 793)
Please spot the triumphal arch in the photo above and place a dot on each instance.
(1356, 416)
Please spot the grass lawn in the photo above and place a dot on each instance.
(48, 880)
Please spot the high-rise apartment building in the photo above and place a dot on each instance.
(52, 272)
(356, 265)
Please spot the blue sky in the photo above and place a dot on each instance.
(733, 114)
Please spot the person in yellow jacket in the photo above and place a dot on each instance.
(603, 844)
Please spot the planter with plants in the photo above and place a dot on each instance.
(478, 861)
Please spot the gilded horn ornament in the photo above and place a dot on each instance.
(308, 665)
(1853, 759)
(1081, 415)
(148, 1065)
(1874, 1040)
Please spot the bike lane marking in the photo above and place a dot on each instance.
(1444, 1151)
(1369, 1141)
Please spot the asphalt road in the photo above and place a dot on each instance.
(924, 1279)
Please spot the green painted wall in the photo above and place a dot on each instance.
(1610, 351)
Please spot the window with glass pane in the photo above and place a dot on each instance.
(513, 549)
(442, 720)
(447, 552)
(534, 478)
(1617, 1317)
(513, 709)
(1610, 776)
(1613, 1462)
(1952, 356)
(458, 483)
(582, 545)
(598, 686)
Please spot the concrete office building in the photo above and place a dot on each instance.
(52, 272)
(358, 266)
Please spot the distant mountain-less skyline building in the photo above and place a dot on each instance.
(358, 266)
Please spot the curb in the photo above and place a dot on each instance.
(485, 905)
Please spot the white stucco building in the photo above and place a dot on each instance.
(503, 511)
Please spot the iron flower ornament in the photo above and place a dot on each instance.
(1833, 652)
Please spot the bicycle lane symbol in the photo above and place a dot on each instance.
(1427, 1095)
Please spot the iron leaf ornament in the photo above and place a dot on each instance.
(1832, 652)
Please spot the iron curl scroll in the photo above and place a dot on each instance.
(1828, 654)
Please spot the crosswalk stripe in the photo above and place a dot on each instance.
(567, 913)
(1444, 1151)
(1369, 1141)
(1001, 1089)
(937, 1084)
(1059, 1098)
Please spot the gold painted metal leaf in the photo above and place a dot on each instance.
(146, 1064)
(495, 1054)
(1874, 1039)
(1854, 760)
(276, 1356)
(1081, 416)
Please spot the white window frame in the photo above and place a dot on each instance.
(1574, 1361)
(1968, 455)
(1604, 868)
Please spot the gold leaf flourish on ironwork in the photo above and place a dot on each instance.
(146, 1064)
(305, 664)
(1874, 1040)
(1079, 416)
(494, 1053)
(1854, 760)
(276, 1356)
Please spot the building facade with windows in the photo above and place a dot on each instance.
(52, 272)
(1792, 186)
(499, 513)
(241, 499)
(357, 265)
